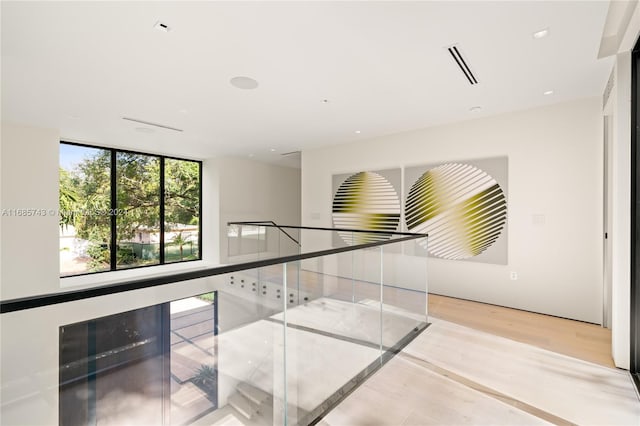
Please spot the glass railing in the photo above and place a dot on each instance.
(277, 340)
(261, 240)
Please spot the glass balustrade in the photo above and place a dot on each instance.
(278, 338)
(261, 240)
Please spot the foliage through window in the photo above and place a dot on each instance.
(120, 209)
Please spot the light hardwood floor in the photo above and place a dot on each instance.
(491, 365)
(589, 342)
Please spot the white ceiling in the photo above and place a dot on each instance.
(383, 66)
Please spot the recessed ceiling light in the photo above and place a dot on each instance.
(144, 130)
(272, 150)
(475, 108)
(245, 83)
(548, 92)
(325, 101)
(358, 132)
(161, 26)
(541, 34)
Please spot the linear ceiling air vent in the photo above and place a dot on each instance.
(455, 53)
(148, 123)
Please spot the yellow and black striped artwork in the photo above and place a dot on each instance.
(366, 200)
(462, 208)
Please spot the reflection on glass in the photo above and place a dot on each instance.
(85, 224)
(152, 366)
(114, 361)
(270, 345)
(182, 210)
(247, 240)
(138, 210)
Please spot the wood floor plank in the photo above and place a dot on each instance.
(589, 342)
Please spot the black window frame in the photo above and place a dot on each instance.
(114, 206)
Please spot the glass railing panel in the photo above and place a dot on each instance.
(271, 242)
(216, 358)
(250, 348)
(153, 365)
(233, 240)
(246, 242)
(332, 341)
(289, 241)
(315, 239)
(276, 344)
(404, 298)
(193, 357)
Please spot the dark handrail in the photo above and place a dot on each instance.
(267, 223)
(368, 231)
(23, 303)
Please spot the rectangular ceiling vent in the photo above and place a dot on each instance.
(457, 56)
(149, 123)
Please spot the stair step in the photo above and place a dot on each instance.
(252, 393)
(223, 416)
(242, 405)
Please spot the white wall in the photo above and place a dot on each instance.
(555, 170)
(29, 366)
(251, 191)
(620, 112)
(618, 108)
(210, 212)
(30, 244)
(233, 189)
(29, 264)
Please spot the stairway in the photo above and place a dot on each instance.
(247, 406)
(250, 401)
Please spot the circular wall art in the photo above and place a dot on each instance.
(366, 200)
(462, 208)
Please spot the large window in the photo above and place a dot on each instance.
(122, 209)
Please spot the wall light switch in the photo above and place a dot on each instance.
(539, 219)
(513, 275)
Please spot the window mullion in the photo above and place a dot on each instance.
(114, 208)
(162, 196)
(200, 210)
